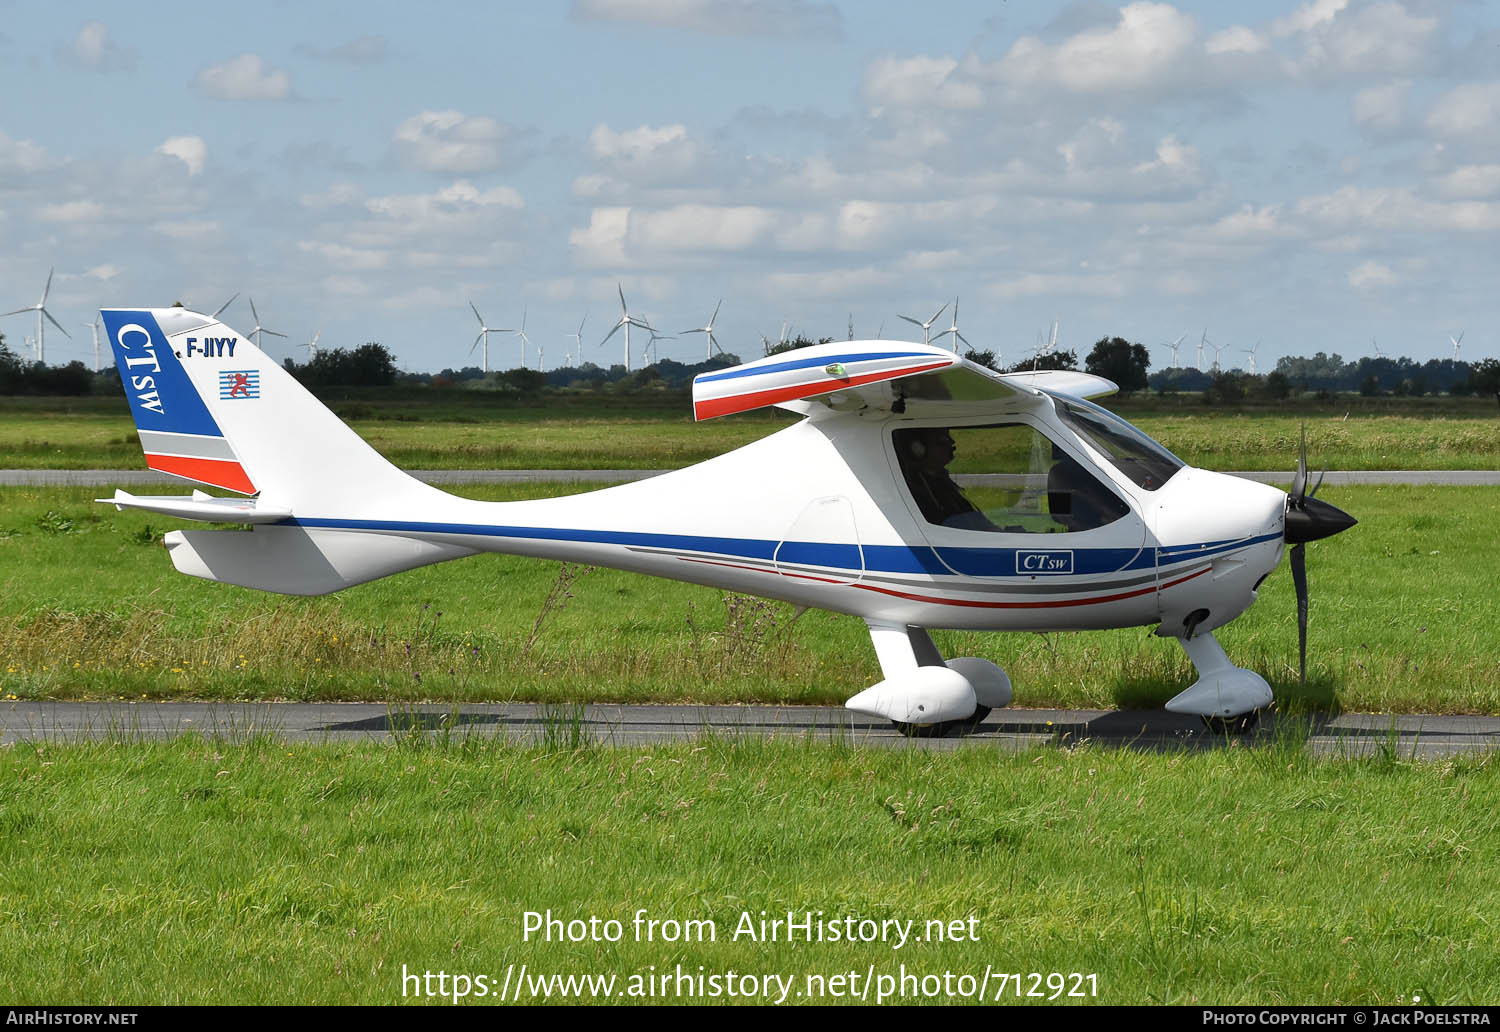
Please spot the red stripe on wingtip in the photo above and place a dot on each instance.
(744, 402)
(215, 472)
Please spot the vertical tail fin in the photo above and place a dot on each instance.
(210, 406)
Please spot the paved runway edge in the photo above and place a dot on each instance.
(1351, 734)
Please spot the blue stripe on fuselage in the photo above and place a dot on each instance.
(920, 559)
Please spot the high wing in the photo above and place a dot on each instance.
(873, 374)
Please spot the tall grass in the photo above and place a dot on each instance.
(205, 871)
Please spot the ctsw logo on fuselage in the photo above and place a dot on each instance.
(141, 354)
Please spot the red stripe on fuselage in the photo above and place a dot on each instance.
(215, 472)
(971, 603)
(744, 402)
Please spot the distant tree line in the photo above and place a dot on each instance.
(18, 376)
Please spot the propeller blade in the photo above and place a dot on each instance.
(908, 319)
(939, 312)
(476, 314)
(610, 334)
(272, 332)
(48, 289)
(1299, 482)
(961, 337)
(54, 322)
(476, 341)
(18, 311)
(225, 305)
(623, 306)
(253, 313)
(1319, 484)
(1299, 579)
(716, 311)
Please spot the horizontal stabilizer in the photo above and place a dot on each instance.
(812, 371)
(200, 506)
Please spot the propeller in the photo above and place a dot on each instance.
(1308, 519)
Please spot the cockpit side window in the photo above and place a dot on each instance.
(1140, 458)
(1034, 486)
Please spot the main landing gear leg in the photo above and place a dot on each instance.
(1227, 697)
(922, 695)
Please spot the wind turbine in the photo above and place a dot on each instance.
(525, 340)
(1218, 350)
(40, 308)
(1456, 342)
(1201, 342)
(1172, 345)
(851, 325)
(1251, 353)
(926, 326)
(578, 337)
(954, 330)
(484, 335)
(626, 320)
(95, 327)
(651, 344)
(312, 346)
(709, 329)
(259, 329)
(1378, 352)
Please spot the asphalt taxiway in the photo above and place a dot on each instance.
(1352, 734)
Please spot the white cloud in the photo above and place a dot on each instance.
(336, 196)
(93, 48)
(603, 242)
(790, 18)
(362, 50)
(1142, 51)
(1372, 275)
(1361, 209)
(450, 141)
(1038, 284)
(835, 283)
(1382, 108)
(698, 227)
(1309, 16)
(21, 155)
(103, 273)
(1469, 110)
(1376, 39)
(450, 202)
(190, 150)
(1470, 181)
(187, 229)
(1236, 39)
(645, 155)
(920, 82)
(71, 212)
(247, 77)
(356, 258)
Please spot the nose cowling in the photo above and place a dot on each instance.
(1311, 519)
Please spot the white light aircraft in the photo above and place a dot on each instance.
(1083, 523)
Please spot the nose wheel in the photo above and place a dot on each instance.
(943, 728)
(1242, 724)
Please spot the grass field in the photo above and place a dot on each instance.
(97, 433)
(1404, 617)
(254, 872)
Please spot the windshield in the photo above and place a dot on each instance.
(1026, 484)
(1140, 458)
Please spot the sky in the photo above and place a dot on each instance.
(1288, 177)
